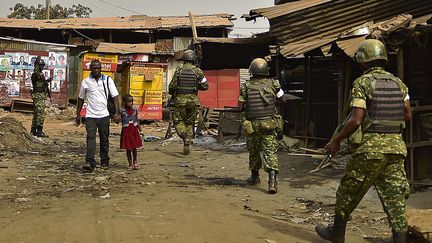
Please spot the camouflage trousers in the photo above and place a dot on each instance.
(184, 120)
(386, 173)
(38, 109)
(263, 149)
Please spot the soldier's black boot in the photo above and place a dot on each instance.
(334, 233)
(186, 149)
(272, 182)
(399, 237)
(254, 179)
(39, 132)
(33, 131)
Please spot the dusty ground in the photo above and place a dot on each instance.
(44, 196)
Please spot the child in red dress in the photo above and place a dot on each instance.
(130, 138)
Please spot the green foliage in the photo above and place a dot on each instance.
(19, 11)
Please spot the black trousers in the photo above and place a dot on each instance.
(100, 125)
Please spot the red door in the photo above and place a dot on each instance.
(224, 88)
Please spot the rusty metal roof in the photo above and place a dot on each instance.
(280, 10)
(135, 22)
(308, 20)
(349, 43)
(104, 47)
(297, 49)
(230, 40)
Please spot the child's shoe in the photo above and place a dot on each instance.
(136, 166)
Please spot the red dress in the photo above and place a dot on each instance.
(130, 137)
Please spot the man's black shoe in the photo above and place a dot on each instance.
(88, 168)
(105, 166)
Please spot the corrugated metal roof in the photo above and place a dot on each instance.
(349, 46)
(287, 8)
(35, 42)
(309, 20)
(130, 22)
(125, 48)
(297, 49)
(230, 40)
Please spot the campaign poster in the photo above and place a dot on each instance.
(55, 86)
(47, 73)
(5, 63)
(59, 74)
(27, 79)
(51, 60)
(61, 59)
(14, 88)
(18, 73)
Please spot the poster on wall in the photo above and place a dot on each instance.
(19, 60)
(47, 73)
(10, 74)
(13, 88)
(59, 74)
(51, 60)
(55, 85)
(32, 60)
(61, 59)
(18, 73)
(27, 79)
(5, 63)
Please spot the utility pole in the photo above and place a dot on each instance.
(48, 8)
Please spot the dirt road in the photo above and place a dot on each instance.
(44, 196)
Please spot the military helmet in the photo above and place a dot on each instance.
(189, 55)
(259, 67)
(39, 61)
(371, 50)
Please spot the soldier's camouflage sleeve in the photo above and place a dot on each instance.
(243, 94)
(276, 84)
(173, 84)
(359, 93)
(36, 76)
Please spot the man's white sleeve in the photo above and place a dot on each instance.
(82, 92)
(113, 89)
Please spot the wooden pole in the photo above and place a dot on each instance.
(48, 8)
(192, 23)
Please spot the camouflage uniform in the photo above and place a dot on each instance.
(39, 96)
(377, 161)
(262, 145)
(185, 106)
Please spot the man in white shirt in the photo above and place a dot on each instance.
(97, 88)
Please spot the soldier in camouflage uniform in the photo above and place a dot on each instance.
(258, 101)
(380, 105)
(184, 86)
(39, 96)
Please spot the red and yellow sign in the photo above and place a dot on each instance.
(150, 112)
(152, 97)
(109, 62)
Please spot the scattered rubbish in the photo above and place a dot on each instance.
(150, 138)
(106, 196)
(22, 199)
(100, 179)
(21, 179)
(270, 241)
(246, 207)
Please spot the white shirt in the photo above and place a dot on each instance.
(96, 95)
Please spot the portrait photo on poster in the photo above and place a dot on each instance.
(27, 80)
(19, 73)
(55, 85)
(47, 73)
(5, 63)
(61, 59)
(59, 74)
(14, 88)
(51, 60)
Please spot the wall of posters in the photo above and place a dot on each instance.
(16, 69)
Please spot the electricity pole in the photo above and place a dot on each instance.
(48, 8)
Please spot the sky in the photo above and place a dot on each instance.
(106, 8)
